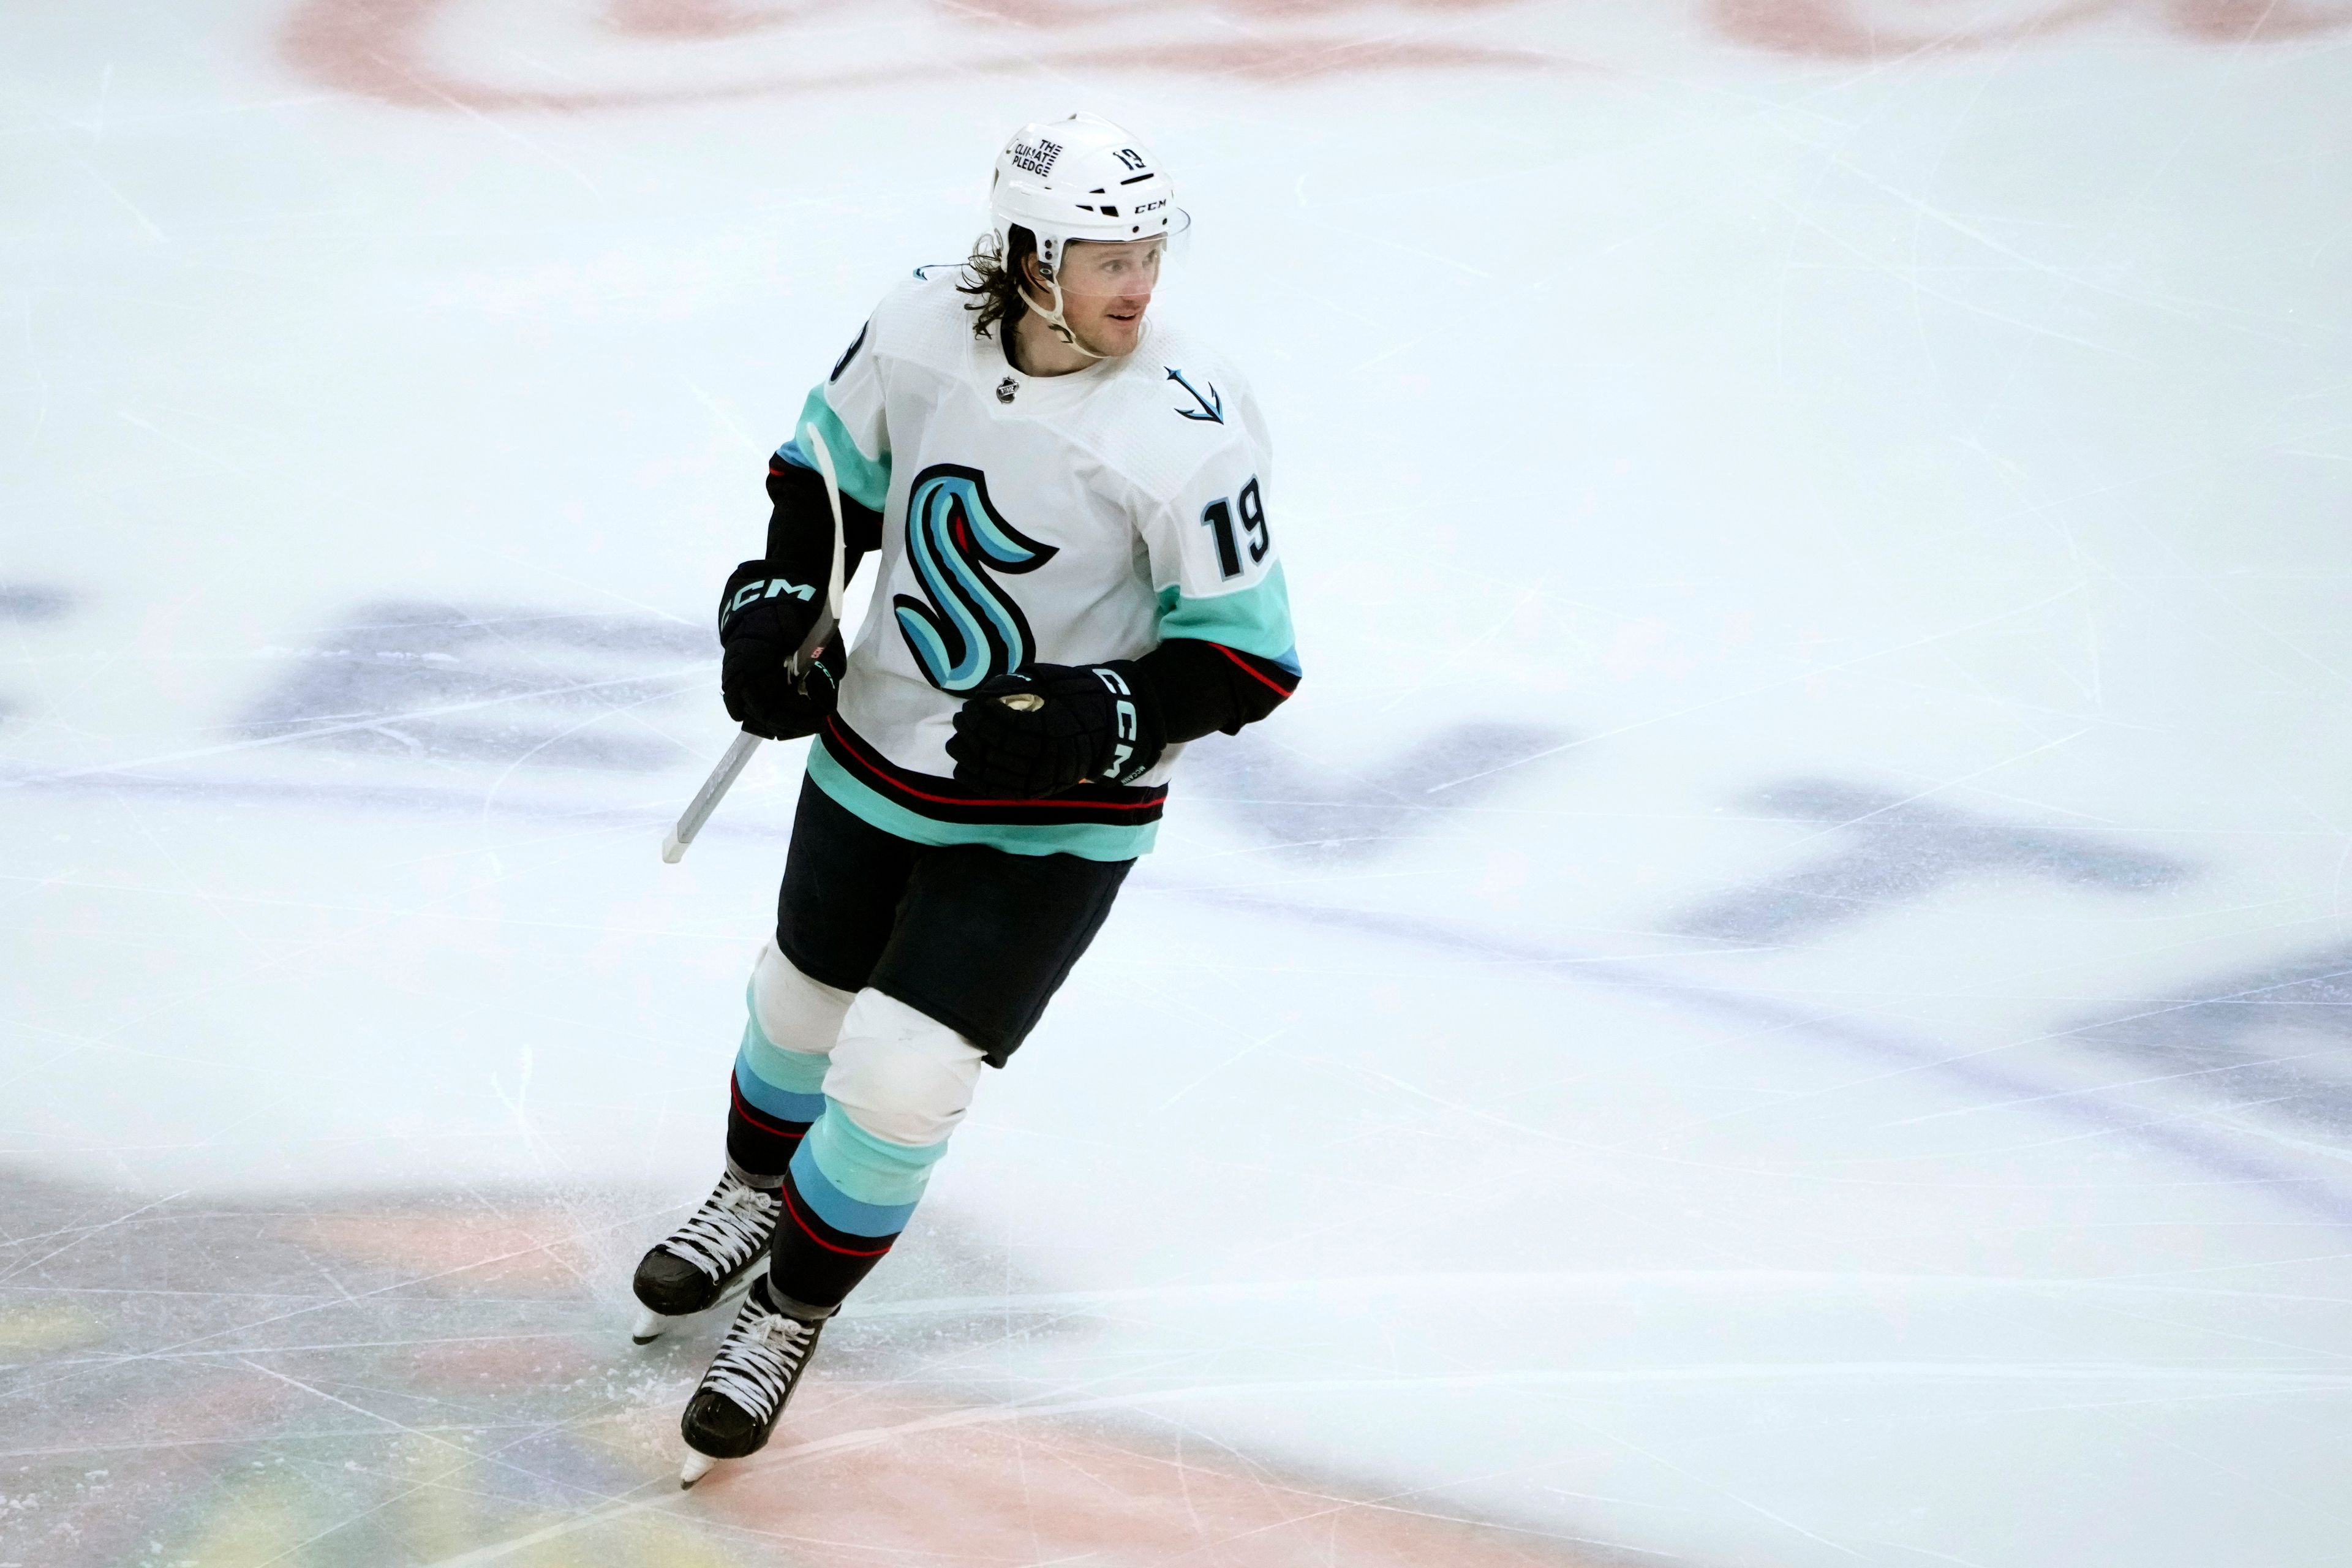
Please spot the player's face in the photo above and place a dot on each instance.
(1106, 288)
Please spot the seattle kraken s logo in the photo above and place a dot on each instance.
(968, 631)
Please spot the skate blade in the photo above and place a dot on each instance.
(696, 1466)
(651, 1325)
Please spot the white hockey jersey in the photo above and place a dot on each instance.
(1061, 520)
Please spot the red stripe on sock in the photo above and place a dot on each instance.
(794, 1209)
(780, 1129)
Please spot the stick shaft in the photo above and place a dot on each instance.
(813, 446)
(706, 799)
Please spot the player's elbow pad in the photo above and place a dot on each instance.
(801, 525)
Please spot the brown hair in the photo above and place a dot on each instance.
(993, 280)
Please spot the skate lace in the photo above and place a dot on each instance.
(732, 1224)
(759, 1358)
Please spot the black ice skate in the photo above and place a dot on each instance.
(758, 1366)
(706, 1260)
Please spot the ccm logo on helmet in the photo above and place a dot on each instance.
(1037, 157)
(1139, 208)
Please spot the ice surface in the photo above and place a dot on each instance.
(1778, 998)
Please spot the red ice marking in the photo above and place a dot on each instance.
(1889, 29)
(2255, 21)
(857, 1461)
(704, 18)
(381, 49)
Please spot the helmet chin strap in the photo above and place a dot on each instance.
(1052, 319)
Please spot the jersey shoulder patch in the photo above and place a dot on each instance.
(1181, 406)
(1193, 381)
(1209, 405)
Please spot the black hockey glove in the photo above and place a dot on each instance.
(1052, 725)
(763, 617)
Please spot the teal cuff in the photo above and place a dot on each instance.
(1254, 620)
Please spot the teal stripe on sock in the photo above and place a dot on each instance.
(838, 1209)
(867, 1170)
(788, 1085)
(781, 1105)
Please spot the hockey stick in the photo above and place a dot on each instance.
(722, 777)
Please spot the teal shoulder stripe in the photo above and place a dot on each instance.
(1256, 619)
(864, 479)
(1086, 840)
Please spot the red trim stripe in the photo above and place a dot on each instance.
(751, 1114)
(1254, 672)
(792, 1209)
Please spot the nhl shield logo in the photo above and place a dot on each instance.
(1006, 388)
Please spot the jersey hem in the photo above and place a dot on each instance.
(946, 800)
(1086, 840)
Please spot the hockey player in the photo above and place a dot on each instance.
(1075, 577)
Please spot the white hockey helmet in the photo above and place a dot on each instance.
(1078, 179)
(1081, 178)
